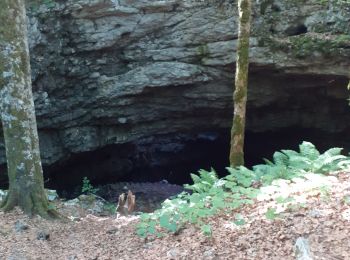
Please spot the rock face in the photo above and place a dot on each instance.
(121, 85)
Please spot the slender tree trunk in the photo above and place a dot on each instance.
(26, 186)
(241, 84)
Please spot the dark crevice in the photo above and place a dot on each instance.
(296, 30)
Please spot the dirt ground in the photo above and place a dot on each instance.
(322, 217)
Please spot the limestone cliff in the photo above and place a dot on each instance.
(138, 79)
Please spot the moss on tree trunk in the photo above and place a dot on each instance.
(241, 84)
(26, 186)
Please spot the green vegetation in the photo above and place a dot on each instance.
(87, 187)
(337, 2)
(264, 5)
(271, 214)
(110, 207)
(203, 50)
(302, 46)
(211, 195)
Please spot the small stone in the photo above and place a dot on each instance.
(74, 218)
(173, 253)
(76, 6)
(52, 195)
(148, 245)
(209, 253)
(314, 213)
(20, 226)
(43, 235)
(302, 249)
(112, 231)
(73, 202)
(3, 194)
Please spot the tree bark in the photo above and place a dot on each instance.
(241, 84)
(26, 186)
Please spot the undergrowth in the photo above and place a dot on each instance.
(209, 195)
(87, 187)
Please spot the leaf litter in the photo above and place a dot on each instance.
(267, 229)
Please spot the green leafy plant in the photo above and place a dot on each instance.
(206, 229)
(202, 182)
(210, 194)
(288, 164)
(325, 192)
(346, 199)
(87, 187)
(271, 214)
(283, 200)
(110, 207)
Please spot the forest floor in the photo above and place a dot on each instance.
(321, 214)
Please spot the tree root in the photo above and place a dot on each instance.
(41, 209)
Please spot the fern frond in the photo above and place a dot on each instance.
(308, 150)
(300, 163)
(333, 151)
(327, 163)
(268, 161)
(290, 153)
(343, 164)
(202, 182)
(280, 159)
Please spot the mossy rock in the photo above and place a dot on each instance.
(307, 45)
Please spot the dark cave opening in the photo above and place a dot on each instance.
(171, 158)
(296, 30)
(174, 157)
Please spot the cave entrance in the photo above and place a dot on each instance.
(153, 159)
(174, 157)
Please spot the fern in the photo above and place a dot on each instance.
(308, 159)
(308, 150)
(202, 182)
(211, 194)
(290, 153)
(300, 163)
(280, 159)
(241, 176)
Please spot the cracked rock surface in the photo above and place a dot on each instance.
(139, 71)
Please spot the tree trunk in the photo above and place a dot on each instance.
(241, 84)
(26, 186)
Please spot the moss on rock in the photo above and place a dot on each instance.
(306, 45)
